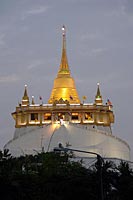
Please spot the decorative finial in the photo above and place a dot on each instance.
(64, 67)
(25, 91)
(63, 30)
(32, 100)
(98, 97)
(25, 99)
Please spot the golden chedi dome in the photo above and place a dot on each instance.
(64, 86)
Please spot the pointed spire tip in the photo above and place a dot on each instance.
(63, 30)
(63, 27)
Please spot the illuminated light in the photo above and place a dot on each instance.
(99, 122)
(57, 122)
(25, 85)
(54, 125)
(98, 84)
(47, 114)
(75, 114)
(37, 105)
(63, 28)
(66, 125)
(61, 122)
(34, 122)
(91, 122)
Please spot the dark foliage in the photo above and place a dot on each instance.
(52, 176)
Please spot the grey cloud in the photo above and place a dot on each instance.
(92, 52)
(97, 51)
(34, 11)
(9, 78)
(34, 64)
(89, 36)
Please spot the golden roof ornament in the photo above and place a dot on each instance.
(64, 85)
(98, 97)
(64, 103)
(25, 99)
(64, 67)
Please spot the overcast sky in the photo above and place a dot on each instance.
(99, 49)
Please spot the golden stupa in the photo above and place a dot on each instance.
(63, 103)
(66, 119)
(64, 86)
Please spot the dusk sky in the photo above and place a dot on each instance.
(99, 49)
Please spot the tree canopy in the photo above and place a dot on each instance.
(55, 176)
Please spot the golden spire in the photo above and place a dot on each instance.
(25, 99)
(64, 85)
(64, 67)
(98, 97)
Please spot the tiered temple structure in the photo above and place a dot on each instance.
(67, 120)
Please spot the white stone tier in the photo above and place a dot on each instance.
(30, 140)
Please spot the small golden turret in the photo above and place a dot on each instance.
(64, 86)
(25, 99)
(98, 97)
